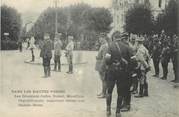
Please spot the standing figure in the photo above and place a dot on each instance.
(143, 57)
(100, 63)
(174, 56)
(117, 59)
(46, 54)
(134, 65)
(156, 52)
(165, 58)
(69, 54)
(20, 45)
(57, 52)
(32, 47)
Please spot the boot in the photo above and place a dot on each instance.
(140, 91)
(48, 71)
(118, 113)
(55, 67)
(108, 111)
(45, 71)
(59, 68)
(146, 90)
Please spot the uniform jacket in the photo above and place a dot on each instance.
(113, 51)
(100, 59)
(46, 51)
(143, 57)
(165, 55)
(58, 48)
(126, 52)
(156, 51)
(70, 48)
(32, 43)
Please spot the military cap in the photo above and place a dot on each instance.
(140, 39)
(124, 35)
(46, 36)
(116, 34)
(70, 37)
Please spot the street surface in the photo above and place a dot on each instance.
(16, 74)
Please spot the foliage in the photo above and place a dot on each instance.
(10, 23)
(139, 19)
(168, 20)
(80, 20)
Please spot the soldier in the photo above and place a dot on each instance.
(100, 65)
(156, 52)
(174, 56)
(57, 52)
(69, 54)
(32, 46)
(132, 45)
(46, 54)
(117, 59)
(143, 57)
(165, 58)
(20, 45)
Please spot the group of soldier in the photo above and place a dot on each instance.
(163, 49)
(126, 61)
(46, 53)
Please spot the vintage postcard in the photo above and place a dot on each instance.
(89, 58)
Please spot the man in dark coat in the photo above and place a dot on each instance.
(156, 52)
(174, 57)
(46, 54)
(165, 58)
(117, 59)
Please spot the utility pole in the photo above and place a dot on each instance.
(56, 16)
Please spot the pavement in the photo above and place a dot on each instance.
(17, 74)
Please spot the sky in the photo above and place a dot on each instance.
(40, 5)
(31, 9)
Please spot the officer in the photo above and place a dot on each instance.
(20, 45)
(174, 56)
(69, 54)
(32, 47)
(100, 65)
(134, 65)
(143, 57)
(57, 52)
(165, 58)
(117, 59)
(156, 52)
(46, 54)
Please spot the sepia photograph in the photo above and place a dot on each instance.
(89, 58)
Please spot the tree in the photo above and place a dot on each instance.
(10, 23)
(139, 19)
(171, 17)
(80, 20)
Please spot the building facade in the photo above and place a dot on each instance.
(120, 7)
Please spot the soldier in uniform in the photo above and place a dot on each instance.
(46, 54)
(156, 52)
(32, 46)
(57, 52)
(117, 59)
(69, 54)
(100, 63)
(143, 57)
(165, 58)
(134, 65)
(174, 57)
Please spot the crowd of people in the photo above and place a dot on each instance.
(126, 61)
